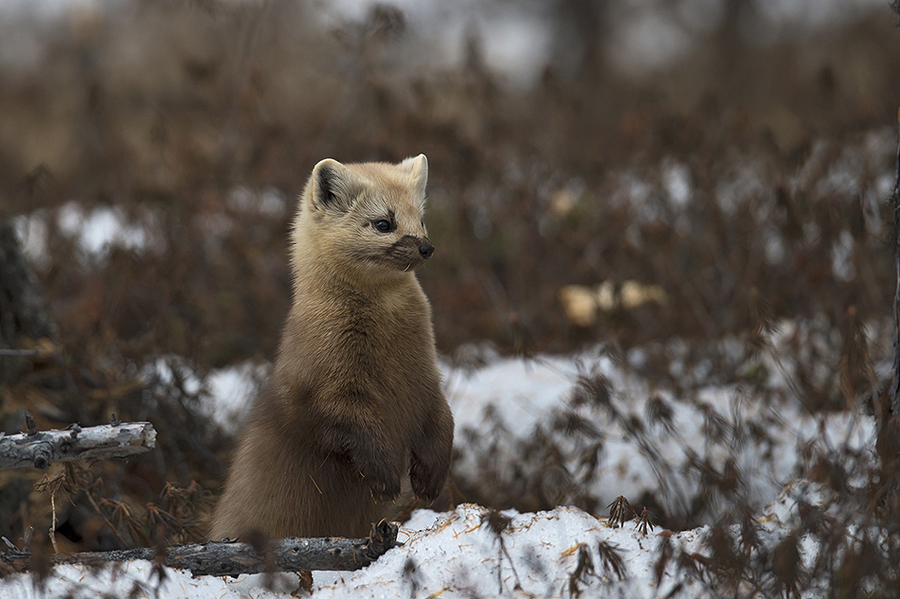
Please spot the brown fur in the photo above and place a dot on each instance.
(354, 405)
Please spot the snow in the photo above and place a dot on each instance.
(79, 582)
(226, 392)
(32, 233)
(455, 554)
(95, 232)
(231, 389)
(458, 554)
(501, 409)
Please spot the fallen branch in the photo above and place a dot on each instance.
(42, 448)
(19, 353)
(232, 559)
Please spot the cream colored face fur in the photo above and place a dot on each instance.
(367, 219)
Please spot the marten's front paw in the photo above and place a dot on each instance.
(380, 469)
(427, 483)
(384, 489)
(383, 480)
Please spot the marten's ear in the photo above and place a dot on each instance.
(418, 170)
(333, 187)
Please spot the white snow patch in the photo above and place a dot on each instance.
(774, 245)
(223, 394)
(514, 404)
(519, 390)
(458, 554)
(120, 580)
(842, 257)
(231, 391)
(32, 232)
(677, 181)
(269, 202)
(104, 228)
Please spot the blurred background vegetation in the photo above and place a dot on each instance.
(730, 156)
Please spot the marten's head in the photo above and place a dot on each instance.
(365, 219)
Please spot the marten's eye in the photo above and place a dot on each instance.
(383, 226)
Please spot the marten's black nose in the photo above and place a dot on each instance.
(426, 250)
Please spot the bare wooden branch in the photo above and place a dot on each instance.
(233, 559)
(6, 352)
(42, 448)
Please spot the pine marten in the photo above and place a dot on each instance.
(354, 405)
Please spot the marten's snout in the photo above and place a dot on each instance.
(409, 252)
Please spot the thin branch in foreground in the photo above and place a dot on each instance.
(52, 485)
(40, 449)
(233, 559)
(26, 353)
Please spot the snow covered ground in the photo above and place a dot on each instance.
(618, 436)
(554, 553)
(612, 434)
